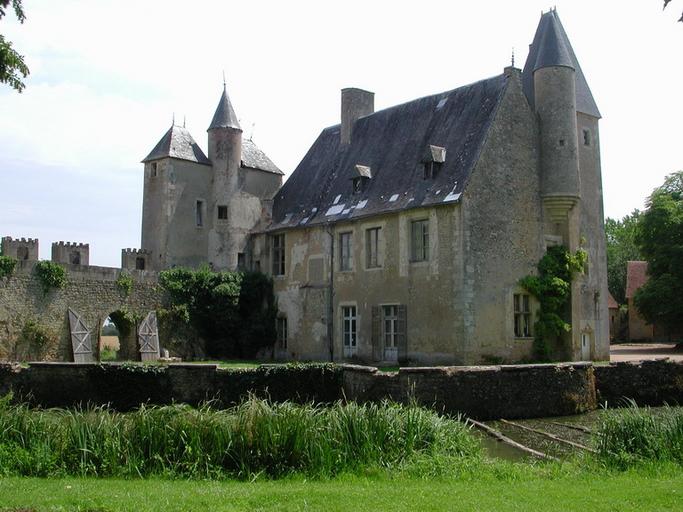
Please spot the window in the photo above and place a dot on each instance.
(222, 212)
(241, 261)
(349, 321)
(373, 240)
(345, 251)
(390, 326)
(154, 169)
(431, 169)
(586, 138)
(75, 258)
(139, 263)
(198, 213)
(419, 236)
(561, 142)
(279, 254)
(281, 328)
(22, 253)
(522, 316)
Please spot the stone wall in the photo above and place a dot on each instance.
(480, 392)
(647, 382)
(90, 291)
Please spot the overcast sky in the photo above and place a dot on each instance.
(107, 77)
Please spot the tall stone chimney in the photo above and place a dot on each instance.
(355, 103)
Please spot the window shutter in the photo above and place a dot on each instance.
(376, 333)
(402, 333)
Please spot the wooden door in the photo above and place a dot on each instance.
(81, 340)
(148, 338)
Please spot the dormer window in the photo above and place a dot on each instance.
(362, 174)
(433, 160)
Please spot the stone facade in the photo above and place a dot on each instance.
(23, 249)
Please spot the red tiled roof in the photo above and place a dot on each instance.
(636, 276)
(611, 303)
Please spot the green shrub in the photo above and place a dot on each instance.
(51, 275)
(234, 312)
(35, 337)
(633, 435)
(256, 437)
(124, 282)
(7, 264)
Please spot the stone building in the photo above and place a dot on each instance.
(403, 233)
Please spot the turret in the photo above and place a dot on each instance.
(225, 153)
(554, 86)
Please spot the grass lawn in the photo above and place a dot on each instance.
(524, 490)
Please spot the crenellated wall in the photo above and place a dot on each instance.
(91, 291)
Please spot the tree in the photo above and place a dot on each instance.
(621, 247)
(12, 65)
(660, 238)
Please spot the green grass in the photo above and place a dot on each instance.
(525, 488)
(636, 435)
(254, 438)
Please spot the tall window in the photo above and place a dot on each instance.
(390, 326)
(279, 254)
(373, 238)
(281, 328)
(419, 236)
(522, 315)
(345, 251)
(198, 213)
(349, 333)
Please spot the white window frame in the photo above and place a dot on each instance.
(390, 318)
(349, 329)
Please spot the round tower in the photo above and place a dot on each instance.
(225, 153)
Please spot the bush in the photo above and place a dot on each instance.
(50, 275)
(124, 282)
(255, 437)
(7, 264)
(233, 312)
(634, 435)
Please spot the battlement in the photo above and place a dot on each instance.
(72, 253)
(25, 249)
(136, 259)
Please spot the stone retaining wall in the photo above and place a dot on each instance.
(486, 392)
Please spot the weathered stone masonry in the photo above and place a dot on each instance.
(90, 291)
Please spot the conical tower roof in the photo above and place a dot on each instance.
(551, 47)
(225, 115)
(178, 143)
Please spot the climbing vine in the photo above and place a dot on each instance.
(124, 282)
(552, 287)
(35, 336)
(7, 264)
(50, 275)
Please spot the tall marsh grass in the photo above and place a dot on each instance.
(256, 437)
(635, 434)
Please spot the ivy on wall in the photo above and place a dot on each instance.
(234, 312)
(51, 275)
(124, 282)
(7, 264)
(552, 287)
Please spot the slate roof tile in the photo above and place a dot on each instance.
(178, 143)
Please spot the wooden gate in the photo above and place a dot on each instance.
(81, 341)
(148, 338)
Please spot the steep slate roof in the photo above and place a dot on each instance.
(224, 117)
(551, 47)
(636, 276)
(178, 143)
(392, 142)
(254, 158)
